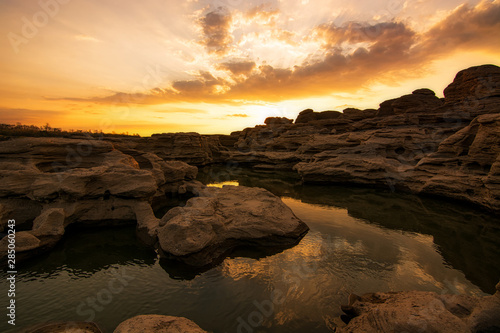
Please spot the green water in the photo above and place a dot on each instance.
(361, 240)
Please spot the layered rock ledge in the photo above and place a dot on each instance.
(48, 184)
(419, 143)
(419, 311)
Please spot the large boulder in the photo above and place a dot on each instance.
(221, 219)
(158, 324)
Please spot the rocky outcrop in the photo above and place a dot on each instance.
(220, 219)
(419, 311)
(158, 324)
(418, 142)
(191, 148)
(48, 183)
(44, 169)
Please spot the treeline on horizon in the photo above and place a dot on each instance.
(46, 130)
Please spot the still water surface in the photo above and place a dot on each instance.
(361, 240)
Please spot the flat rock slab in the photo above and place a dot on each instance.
(158, 324)
(221, 219)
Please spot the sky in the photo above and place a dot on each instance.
(217, 66)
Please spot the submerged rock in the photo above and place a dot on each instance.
(158, 324)
(221, 219)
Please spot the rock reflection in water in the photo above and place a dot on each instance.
(467, 238)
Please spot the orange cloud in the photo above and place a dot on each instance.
(238, 67)
(352, 56)
(238, 115)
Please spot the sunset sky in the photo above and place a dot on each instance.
(216, 66)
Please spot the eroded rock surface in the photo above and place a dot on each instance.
(221, 219)
(419, 311)
(418, 142)
(48, 183)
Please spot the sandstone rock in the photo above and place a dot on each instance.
(24, 211)
(28, 170)
(277, 121)
(49, 223)
(356, 114)
(222, 218)
(418, 311)
(158, 324)
(309, 115)
(386, 108)
(25, 241)
(475, 83)
(192, 148)
(466, 165)
(419, 101)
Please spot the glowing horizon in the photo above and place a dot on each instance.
(216, 66)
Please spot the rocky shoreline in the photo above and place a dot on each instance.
(418, 143)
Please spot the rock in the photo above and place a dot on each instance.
(416, 102)
(472, 84)
(421, 100)
(223, 218)
(48, 229)
(386, 108)
(25, 241)
(418, 311)
(48, 183)
(424, 91)
(158, 324)
(191, 148)
(29, 171)
(473, 155)
(24, 211)
(277, 121)
(309, 115)
(49, 223)
(63, 327)
(356, 114)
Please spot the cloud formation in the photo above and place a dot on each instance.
(216, 35)
(238, 67)
(348, 57)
